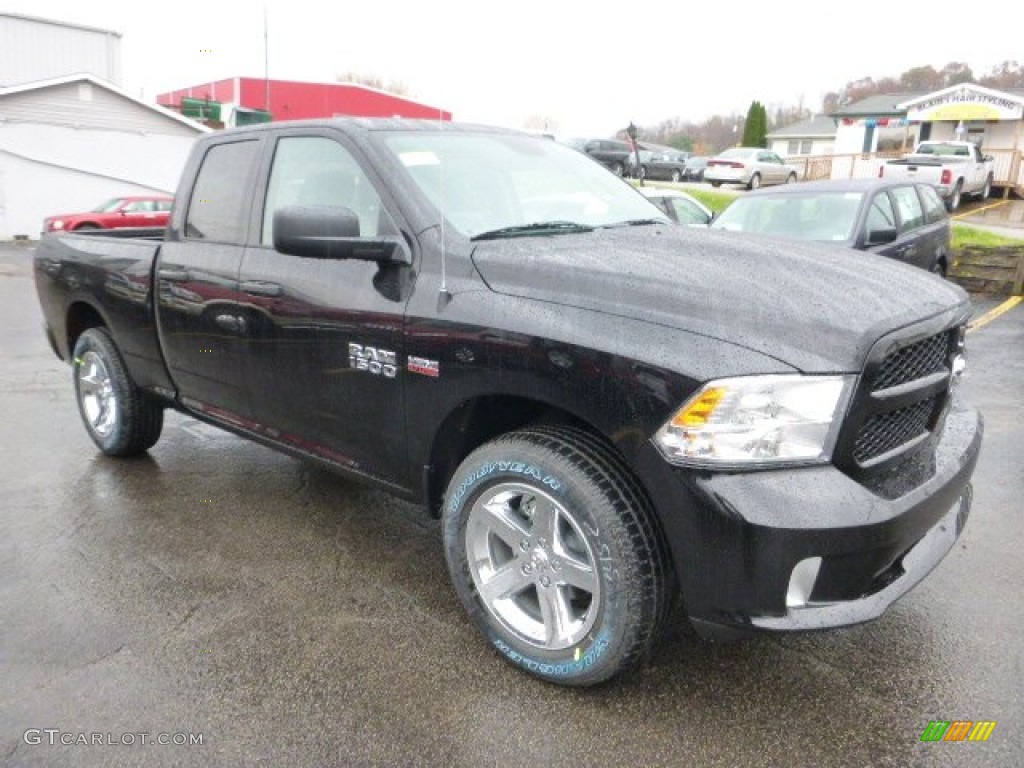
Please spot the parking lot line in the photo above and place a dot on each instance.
(979, 210)
(992, 314)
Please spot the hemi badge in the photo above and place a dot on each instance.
(423, 366)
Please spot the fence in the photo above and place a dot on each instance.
(1007, 169)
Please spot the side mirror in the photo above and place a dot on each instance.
(330, 232)
(882, 236)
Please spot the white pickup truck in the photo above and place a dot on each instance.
(956, 168)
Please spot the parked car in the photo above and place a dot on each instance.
(751, 166)
(896, 218)
(956, 168)
(613, 154)
(663, 166)
(694, 170)
(116, 213)
(681, 208)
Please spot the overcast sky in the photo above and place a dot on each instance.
(589, 68)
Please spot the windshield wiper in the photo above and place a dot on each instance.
(538, 227)
(637, 222)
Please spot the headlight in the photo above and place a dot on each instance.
(758, 420)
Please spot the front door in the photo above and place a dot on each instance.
(325, 350)
(197, 301)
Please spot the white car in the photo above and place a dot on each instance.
(681, 208)
(750, 166)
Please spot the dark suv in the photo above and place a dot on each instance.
(612, 154)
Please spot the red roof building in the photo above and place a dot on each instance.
(292, 100)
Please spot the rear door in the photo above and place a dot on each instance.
(899, 208)
(325, 350)
(197, 301)
(934, 235)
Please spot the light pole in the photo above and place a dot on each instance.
(631, 132)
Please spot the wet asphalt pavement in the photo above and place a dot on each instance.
(291, 617)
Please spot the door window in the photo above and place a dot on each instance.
(317, 171)
(934, 208)
(880, 214)
(908, 208)
(688, 213)
(219, 207)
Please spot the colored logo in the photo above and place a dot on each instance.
(958, 730)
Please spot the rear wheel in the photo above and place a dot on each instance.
(716, 184)
(954, 198)
(755, 181)
(119, 417)
(677, 176)
(556, 555)
(791, 179)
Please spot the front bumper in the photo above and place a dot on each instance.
(810, 548)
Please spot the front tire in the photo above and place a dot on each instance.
(555, 553)
(987, 189)
(120, 418)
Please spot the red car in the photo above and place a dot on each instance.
(151, 211)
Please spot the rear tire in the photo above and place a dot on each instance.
(954, 198)
(716, 184)
(556, 554)
(120, 418)
(791, 179)
(755, 181)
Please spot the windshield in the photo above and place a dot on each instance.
(829, 216)
(492, 182)
(109, 206)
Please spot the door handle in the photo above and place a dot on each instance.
(261, 288)
(173, 275)
(231, 323)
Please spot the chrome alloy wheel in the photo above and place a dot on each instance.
(96, 394)
(532, 566)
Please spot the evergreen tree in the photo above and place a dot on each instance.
(755, 127)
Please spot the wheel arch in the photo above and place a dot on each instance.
(475, 421)
(80, 317)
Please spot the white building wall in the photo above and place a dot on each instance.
(40, 49)
(849, 138)
(47, 169)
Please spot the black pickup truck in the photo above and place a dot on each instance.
(607, 411)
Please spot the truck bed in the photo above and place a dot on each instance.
(105, 272)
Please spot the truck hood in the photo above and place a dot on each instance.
(815, 307)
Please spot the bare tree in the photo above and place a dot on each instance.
(373, 81)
